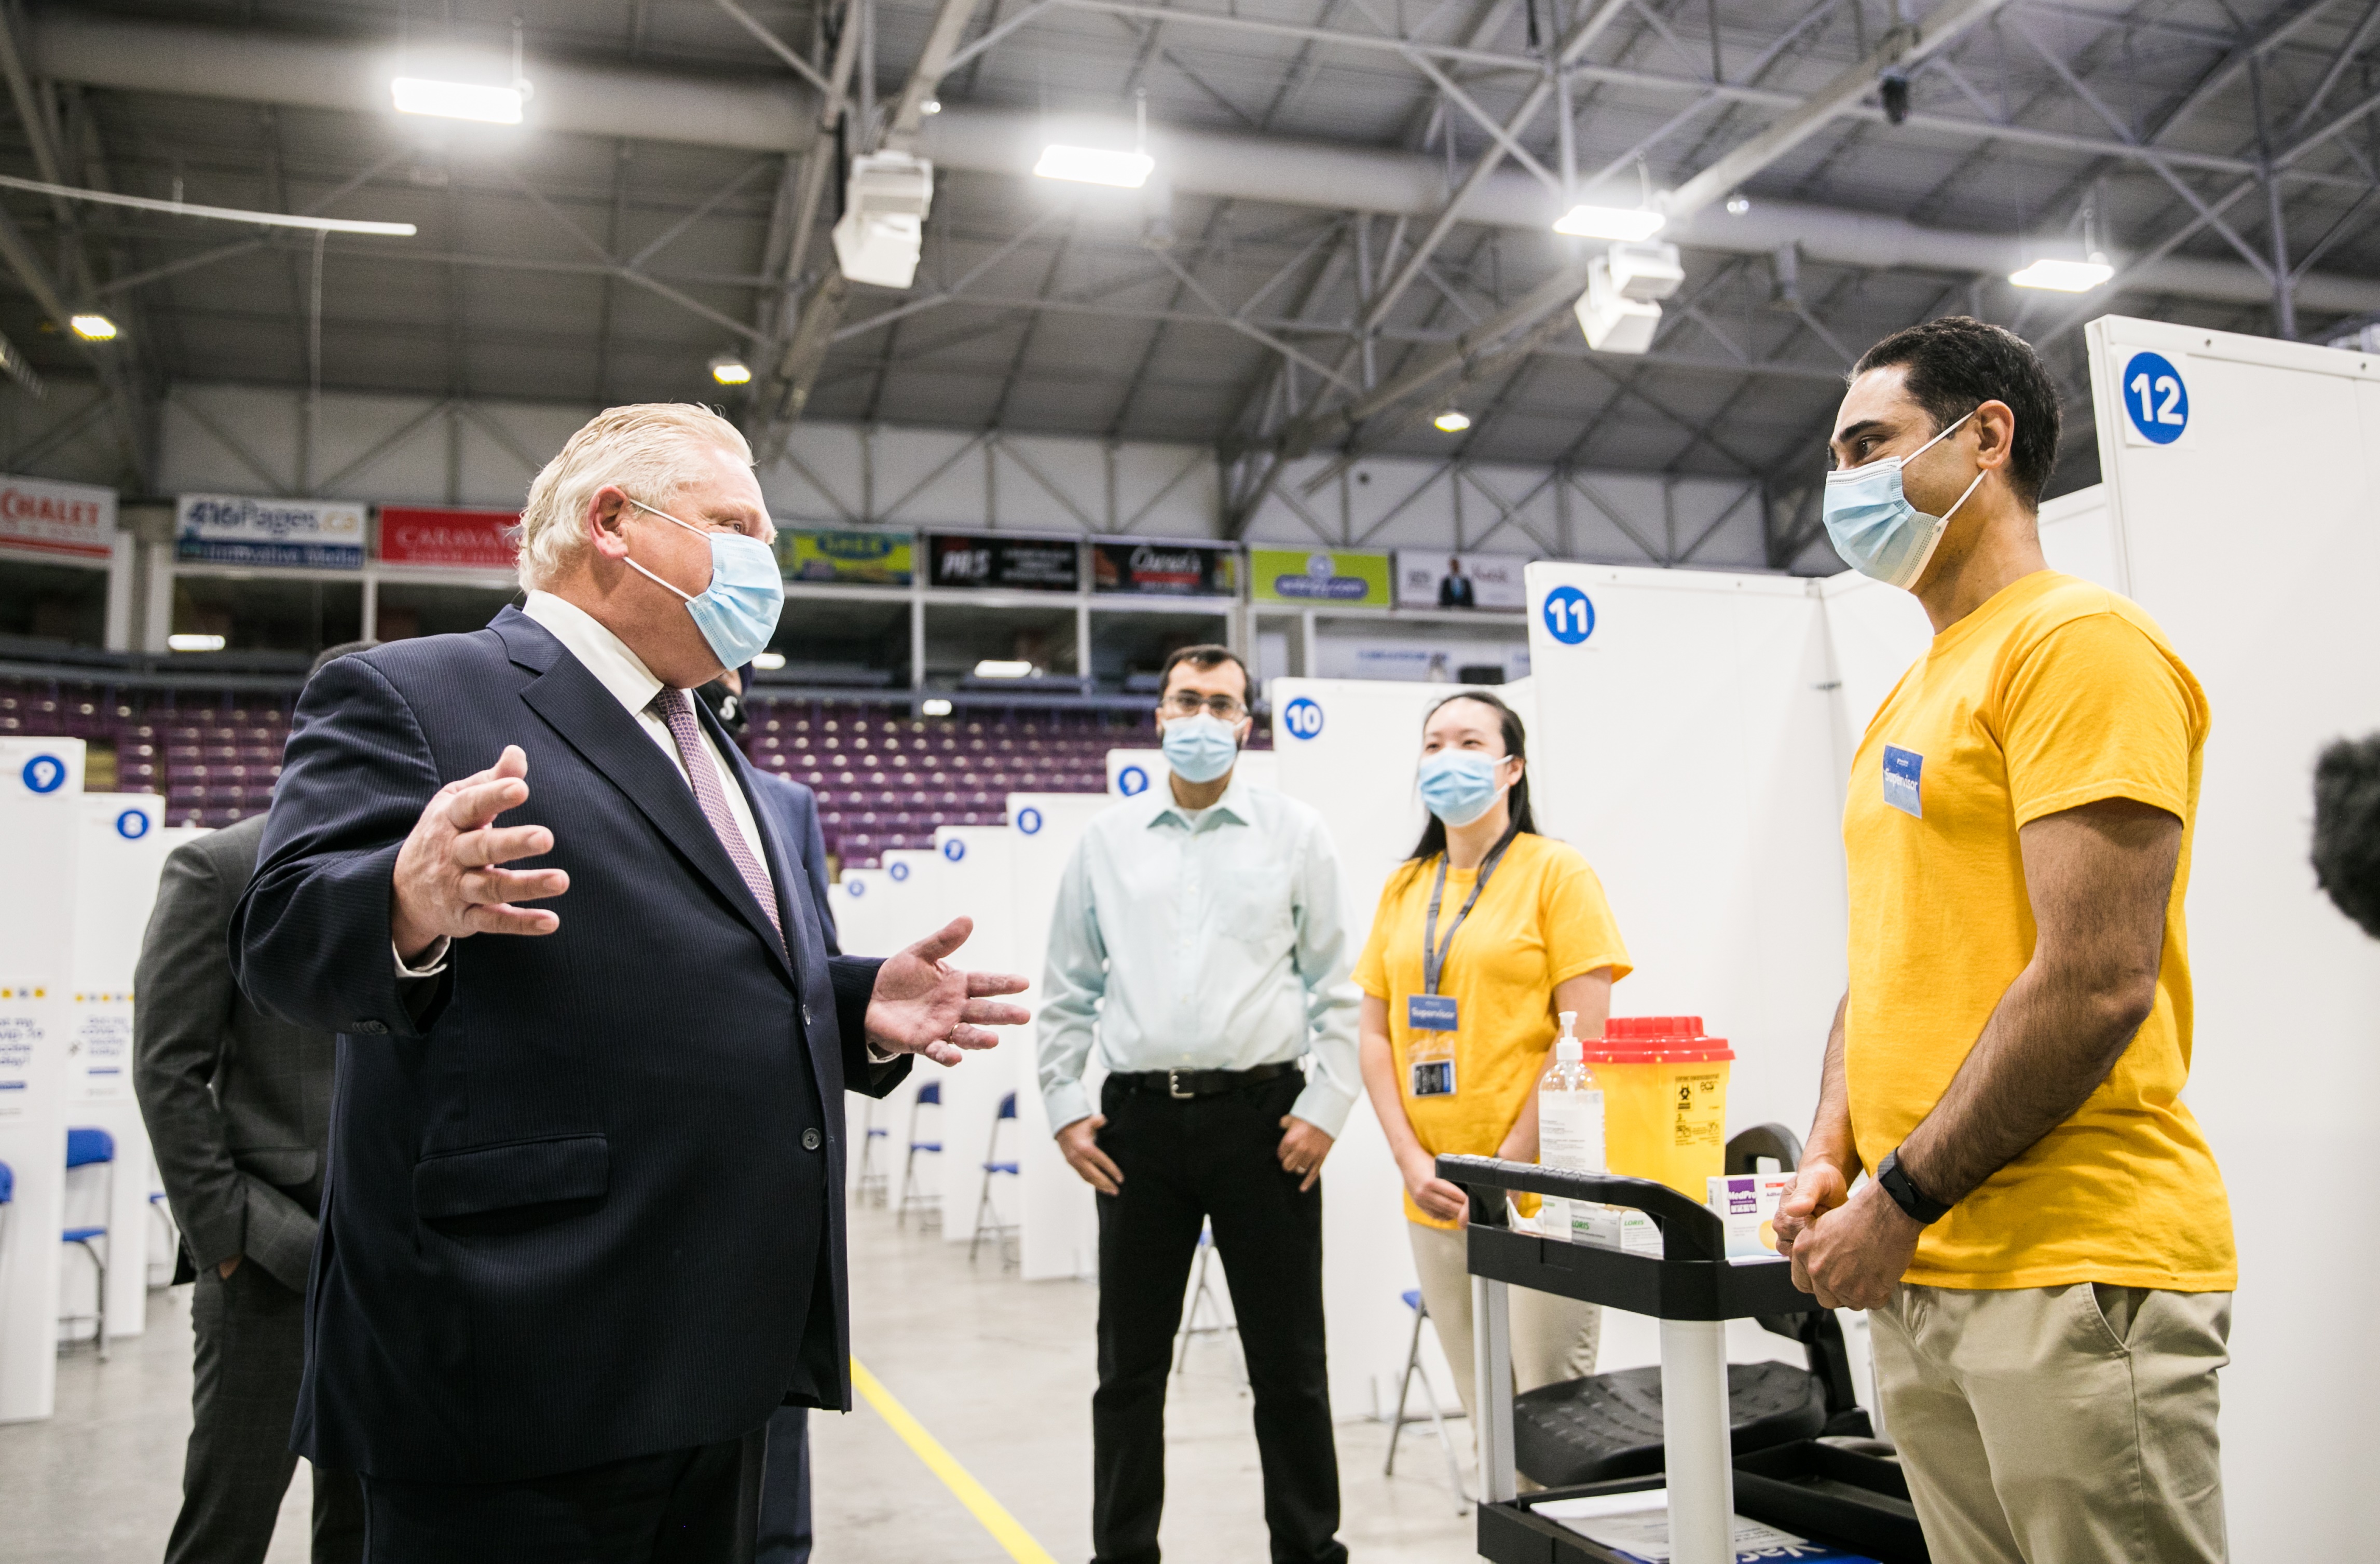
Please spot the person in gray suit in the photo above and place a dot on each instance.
(238, 1107)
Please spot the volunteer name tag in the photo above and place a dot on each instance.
(1431, 1012)
(1902, 769)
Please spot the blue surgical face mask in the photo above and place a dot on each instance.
(1872, 525)
(1460, 785)
(1201, 748)
(737, 613)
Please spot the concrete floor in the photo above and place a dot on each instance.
(998, 1370)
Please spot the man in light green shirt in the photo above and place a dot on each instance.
(1198, 943)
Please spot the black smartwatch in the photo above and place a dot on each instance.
(1923, 1210)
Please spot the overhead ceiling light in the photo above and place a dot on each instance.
(1738, 204)
(729, 370)
(768, 662)
(931, 105)
(1612, 221)
(997, 667)
(934, 706)
(92, 329)
(458, 100)
(194, 642)
(1096, 166)
(1454, 420)
(2065, 276)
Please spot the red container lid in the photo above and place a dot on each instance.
(1655, 1040)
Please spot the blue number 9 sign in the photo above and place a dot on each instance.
(45, 774)
(1132, 781)
(1570, 615)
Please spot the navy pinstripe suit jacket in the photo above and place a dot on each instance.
(570, 1216)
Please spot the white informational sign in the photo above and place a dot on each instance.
(1427, 578)
(2253, 536)
(236, 530)
(40, 795)
(77, 521)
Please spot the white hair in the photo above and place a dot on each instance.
(648, 449)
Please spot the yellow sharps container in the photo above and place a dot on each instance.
(1664, 1100)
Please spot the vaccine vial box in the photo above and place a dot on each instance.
(1746, 1202)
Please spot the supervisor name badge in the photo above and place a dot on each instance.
(1903, 769)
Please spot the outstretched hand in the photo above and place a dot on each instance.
(923, 1005)
(448, 881)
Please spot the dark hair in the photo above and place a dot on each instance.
(1516, 744)
(1205, 657)
(1956, 364)
(330, 655)
(2347, 828)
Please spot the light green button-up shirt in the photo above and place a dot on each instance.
(1214, 945)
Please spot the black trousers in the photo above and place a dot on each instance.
(785, 1489)
(696, 1505)
(252, 1350)
(1185, 1163)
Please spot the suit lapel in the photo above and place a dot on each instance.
(574, 704)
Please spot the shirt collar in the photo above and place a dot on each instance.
(602, 654)
(1233, 806)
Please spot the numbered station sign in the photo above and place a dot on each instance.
(2156, 400)
(1302, 718)
(1570, 615)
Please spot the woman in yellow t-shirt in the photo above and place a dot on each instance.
(1452, 1065)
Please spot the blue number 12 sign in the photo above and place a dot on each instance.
(2155, 398)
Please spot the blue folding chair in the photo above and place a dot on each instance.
(929, 1095)
(1397, 1423)
(7, 1195)
(871, 1179)
(1202, 1298)
(159, 1208)
(87, 1148)
(999, 1230)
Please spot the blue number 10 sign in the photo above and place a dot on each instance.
(1570, 615)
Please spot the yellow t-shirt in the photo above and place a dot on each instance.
(1542, 920)
(2053, 695)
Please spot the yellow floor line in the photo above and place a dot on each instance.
(972, 1494)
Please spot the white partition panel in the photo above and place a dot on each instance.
(120, 857)
(1684, 747)
(972, 872)
(2252, 533)
(912, 875)
(41, 799)
(876, 914)
(2077, 536)
(1133, 772)
(1351, 748)
(1874, 633)
(1059, 1225)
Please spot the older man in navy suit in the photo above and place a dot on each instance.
(582, 1230)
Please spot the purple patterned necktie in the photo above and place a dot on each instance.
(677, 715)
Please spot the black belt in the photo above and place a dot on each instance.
(1184, 1084)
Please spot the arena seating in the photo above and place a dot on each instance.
(884, 780)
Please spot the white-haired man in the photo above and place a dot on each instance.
(582, 1228)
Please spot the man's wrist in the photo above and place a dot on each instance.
(1906, 1192)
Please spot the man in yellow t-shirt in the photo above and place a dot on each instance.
(2044, 1241)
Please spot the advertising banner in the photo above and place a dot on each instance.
(1032, 564)
(429, 534)
(74, 519)
(1427, 578)
(1304, 578)
(850, 554)
(233, 530)
(1166, 569)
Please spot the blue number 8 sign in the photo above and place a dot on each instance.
(1568, 615)
(1302, 717)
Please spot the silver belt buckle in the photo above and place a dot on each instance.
(1174, 1087)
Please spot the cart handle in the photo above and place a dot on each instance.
(1689, 1231)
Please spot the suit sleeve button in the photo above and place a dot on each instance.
(810, 1140)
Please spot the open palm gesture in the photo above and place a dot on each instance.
(923, 1005)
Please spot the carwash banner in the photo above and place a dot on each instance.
(1301, 576)
(73, 520)
(433, 534)
(1165, 570)
(236, 530)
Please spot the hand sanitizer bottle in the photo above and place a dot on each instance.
(1569, 1122)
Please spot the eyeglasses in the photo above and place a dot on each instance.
(1184, 703)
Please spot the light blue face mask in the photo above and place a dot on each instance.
(1459, 786)
(1200, 748)
(737, 613)
(1872, 525)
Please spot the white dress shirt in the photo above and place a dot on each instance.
(1217, 943)
(619, 671)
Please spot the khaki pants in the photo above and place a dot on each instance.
(2057, 1426)
(1553, 1339)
